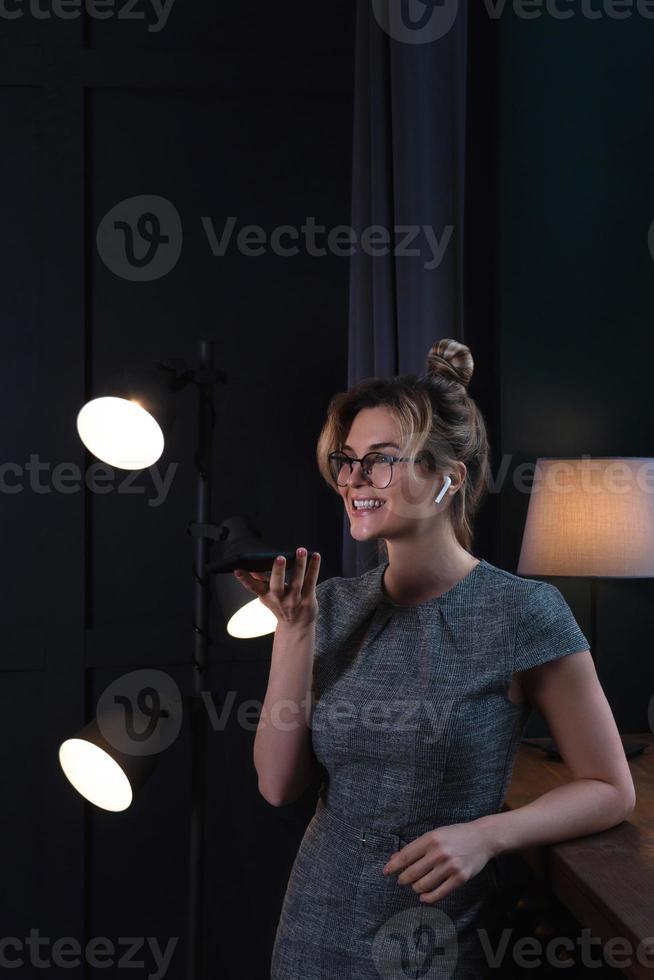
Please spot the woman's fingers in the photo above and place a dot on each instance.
(277, 577)
(302, 582)
(292, 602)
(312, 571)
(251, 581)
(295, 585)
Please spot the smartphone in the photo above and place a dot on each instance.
(254, 561)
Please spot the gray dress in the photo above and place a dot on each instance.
(413, 730)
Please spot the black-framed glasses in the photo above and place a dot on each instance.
(377, 468)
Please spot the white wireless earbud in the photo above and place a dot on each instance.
(438, 499)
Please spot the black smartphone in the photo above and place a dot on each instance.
(260, 561)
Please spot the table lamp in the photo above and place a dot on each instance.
(591, 517)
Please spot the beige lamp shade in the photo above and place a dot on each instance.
(590, 516)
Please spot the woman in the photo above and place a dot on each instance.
(418, 677)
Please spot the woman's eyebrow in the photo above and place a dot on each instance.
(376, 445)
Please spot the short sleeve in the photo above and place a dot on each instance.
(546, 629)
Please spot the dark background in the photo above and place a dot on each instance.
(247, 111)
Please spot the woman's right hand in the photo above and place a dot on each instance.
(294, 604)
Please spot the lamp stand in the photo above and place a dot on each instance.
(204, 377)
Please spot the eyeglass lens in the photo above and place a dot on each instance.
(376, 467)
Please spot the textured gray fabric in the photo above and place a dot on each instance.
(413, 730)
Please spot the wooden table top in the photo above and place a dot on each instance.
(605, 879)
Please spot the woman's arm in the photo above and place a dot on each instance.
(601, 794)
(283, 755)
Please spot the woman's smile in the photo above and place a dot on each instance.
(367, 508)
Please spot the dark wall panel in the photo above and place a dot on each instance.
(577, 285)
(237, 112)
(264, 160)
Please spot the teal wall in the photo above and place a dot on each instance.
(576, 288)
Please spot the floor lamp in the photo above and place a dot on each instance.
(126, 426)
(590, 517)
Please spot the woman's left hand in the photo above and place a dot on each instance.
(440, 860)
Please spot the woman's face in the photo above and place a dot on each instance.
(399, 508)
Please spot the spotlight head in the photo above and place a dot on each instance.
(99, 772)
(128, 420)
(138, 716)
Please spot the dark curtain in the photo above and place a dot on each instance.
(409, 176)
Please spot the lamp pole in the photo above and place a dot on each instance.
(205, 379)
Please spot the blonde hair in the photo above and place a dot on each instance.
(437, 420)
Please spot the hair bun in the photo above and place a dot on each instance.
(450, 360)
